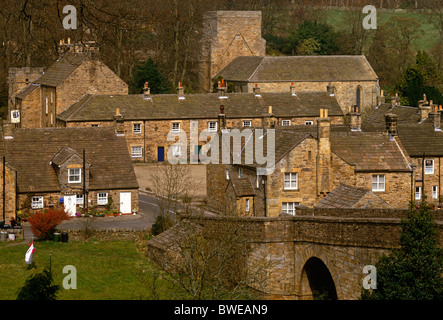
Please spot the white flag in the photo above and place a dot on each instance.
(29, 253)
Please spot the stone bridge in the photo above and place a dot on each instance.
(318, 251)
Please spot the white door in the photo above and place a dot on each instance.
(70, 204)
(125, 202)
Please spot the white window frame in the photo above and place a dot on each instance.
(176, 127)
(429, 169)
(379, 185)
(37, 202)
(247, 123)
(227, 174)
(247, 205)
(435, 192)
(70, 175)
(417, 193)
(79, 199)
(136, 151)
(102, 198)
(286, 123)
(309, 123)
(137, 130)
(212, 126)
(289, 207)
(46, 105)
(290, 181)
(240, 172)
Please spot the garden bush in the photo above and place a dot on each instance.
(44, 223)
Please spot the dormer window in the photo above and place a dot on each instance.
(74, 175)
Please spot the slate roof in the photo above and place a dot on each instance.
(298, 68)
(369, 151)
(199, 106)
(61, 69)
(345, 196)
(416, 136)
(242, 187)
(64, 154)
(31, 150)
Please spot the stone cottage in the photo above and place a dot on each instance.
(77, 72)
(70, 167)
(310, 162)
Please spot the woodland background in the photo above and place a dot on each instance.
(160, 39)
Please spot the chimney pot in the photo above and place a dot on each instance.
(331, 90)
(257, 90)
(180, 91)
(146, 91)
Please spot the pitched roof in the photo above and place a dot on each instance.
(61, 69)
(298, 68)
(345, 196)
(31, 150)
(417, 137)
(64, 154)
(199, 106)
(242, 187)
(27, 91)
(369, 151)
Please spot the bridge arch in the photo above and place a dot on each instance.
(314, 262)
(316, 282)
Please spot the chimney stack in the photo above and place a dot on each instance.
(395, 101)
(424, 108)
(7, 130)
(256, 90)
(180, 91)
(269, 119)
(292, 88)
(222, 89)
(222, 118)
(323, 153)
(119, 123)
(354, 119)
(435, 117)
(331, 90)
(147, 91)
(391, 124)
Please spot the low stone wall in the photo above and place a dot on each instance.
(106, 234)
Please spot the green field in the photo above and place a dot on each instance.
(427, 36)
(108, 270)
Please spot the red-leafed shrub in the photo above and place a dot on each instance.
(43, 223)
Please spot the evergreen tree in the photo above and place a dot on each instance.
(148, 71)
(321, 33)
(414, 271)
(39, 287)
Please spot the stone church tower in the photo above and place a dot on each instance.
(227, 35)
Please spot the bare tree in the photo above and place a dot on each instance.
(215, 260)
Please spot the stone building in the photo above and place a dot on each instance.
(226, 35)
(233, 49)
(310, 164)
(70, 167)
(146, 120)
(77, 72)
(350, 78)
(419, 131)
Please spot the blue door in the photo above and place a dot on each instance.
(161, 154)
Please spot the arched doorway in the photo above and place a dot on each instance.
(358, 97)
(316, 281)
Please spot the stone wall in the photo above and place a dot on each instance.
(345, 91)
(92, 77)
(9, 193)
(30, 110)
(20, 78)
(431, 180)
(344, 240)
(106, 234)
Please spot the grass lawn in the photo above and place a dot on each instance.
(106, 270)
